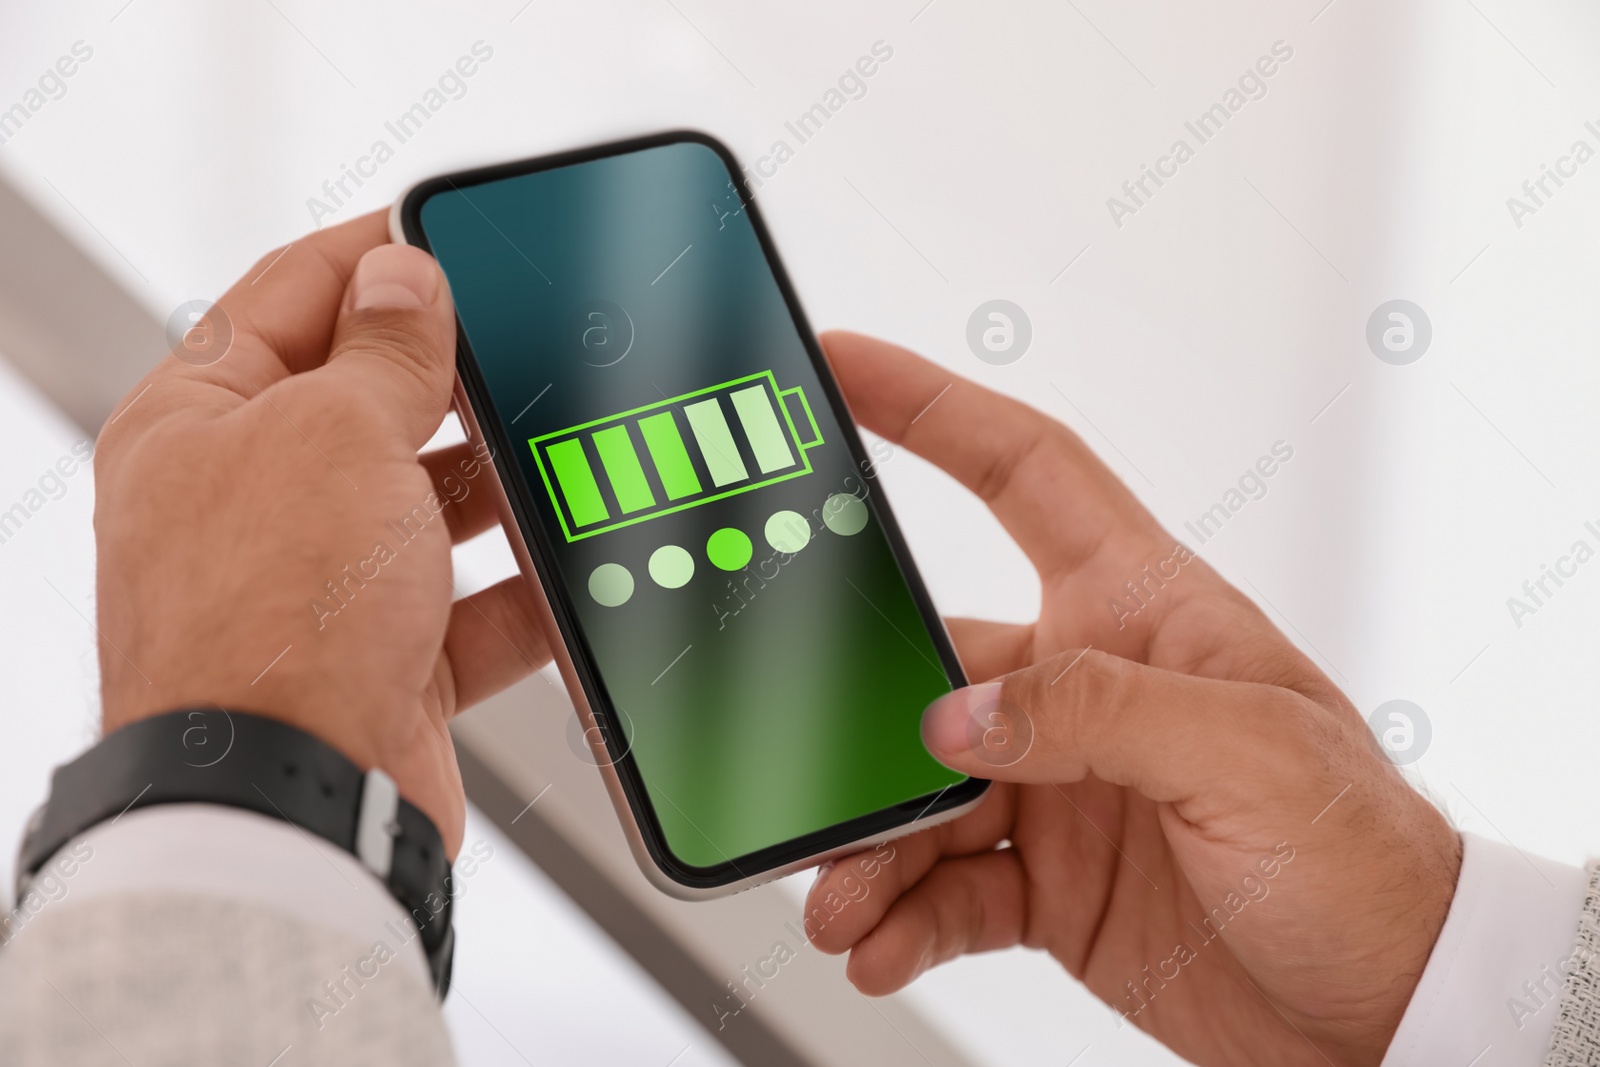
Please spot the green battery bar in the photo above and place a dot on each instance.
(675, 454)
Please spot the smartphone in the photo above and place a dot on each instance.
(734, 612)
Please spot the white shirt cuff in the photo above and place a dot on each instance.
(220, 851)
(1492, 988)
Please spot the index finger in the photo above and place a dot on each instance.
(1055, 498)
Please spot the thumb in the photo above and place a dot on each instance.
(395, 341)
(1169, 736)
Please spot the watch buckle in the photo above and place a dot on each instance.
(377, 823)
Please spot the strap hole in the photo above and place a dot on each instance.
(327, 789)
(290, 770)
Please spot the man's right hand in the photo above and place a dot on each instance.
(1187, 813)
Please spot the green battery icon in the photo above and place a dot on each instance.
(676, 454)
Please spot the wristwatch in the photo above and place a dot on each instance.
(212, 755)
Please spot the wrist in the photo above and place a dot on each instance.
(268, 660)
(311, 712)
(1420, 910)
(239, 759)
(373, 727)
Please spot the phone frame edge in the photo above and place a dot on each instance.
(644, 856)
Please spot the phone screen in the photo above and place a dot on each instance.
(715, 533)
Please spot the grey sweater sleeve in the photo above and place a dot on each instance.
(1577, 1037)
(184, 979)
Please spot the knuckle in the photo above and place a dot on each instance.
(356, 415)
(961, 929)
(401, 338)
(1101, 682)
(1290, 735)
(1001, 473)
(1070, 697)
(339, 422)
(1096, 696)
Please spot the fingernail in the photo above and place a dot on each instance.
(947, 725)
(822, 872)
(394, 276)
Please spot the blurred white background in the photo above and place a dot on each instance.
(1227, 314)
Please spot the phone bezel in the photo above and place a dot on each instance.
(789, 855)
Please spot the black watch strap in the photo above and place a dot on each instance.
(213, 756)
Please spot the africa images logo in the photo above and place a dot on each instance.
(208, 738)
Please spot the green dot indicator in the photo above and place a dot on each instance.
(788, 531)
(729, 549)
(844, 514)
(611, 585)
(671, 567)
